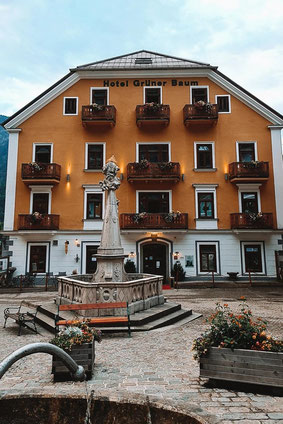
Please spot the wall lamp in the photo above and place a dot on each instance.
(68, 178)
(66, 246)
(77, 258)
(77, 242)
(176, 255)
(121, 176)
(226, 176)
(132, 255)
(183, 177)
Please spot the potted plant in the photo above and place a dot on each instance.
(78, 340)
(36, 167)
(96, 107)
(152, 108)
(36, 218)
(236, 347)
(138, 217)
(165, 166)
(172, 216)
(143, 164)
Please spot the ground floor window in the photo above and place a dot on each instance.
(253, 258)
(208, 258)
(37, 258)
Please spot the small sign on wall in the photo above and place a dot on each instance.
(189, 261)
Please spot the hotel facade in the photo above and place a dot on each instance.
(200, 165)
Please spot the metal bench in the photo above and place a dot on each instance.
(96, 320)
(24, 315)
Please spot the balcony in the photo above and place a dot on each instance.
(252, 221)
(98, 115)
(154, 221)
(200, 115)
(38, 222)
(41, 173)
(248, 171)
(152, 114)
(158, 172)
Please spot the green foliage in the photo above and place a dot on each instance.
(235, 331)
(76, 334)
(130, 266)
(178, 271)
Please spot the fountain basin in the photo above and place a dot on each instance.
(72, 410)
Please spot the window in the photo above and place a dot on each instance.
(37, 258)
(246, 152)
(204, 156)
(152, 95)
(253, 258)
(199, 93)
(40, 203)
(205, 205)
(70, 106)
(94, 206)
(207, 258)
(153, 202)
(42, 153)
(99, 96)
(154, 152)
(95, 156)
(249, 202)
(223, 103)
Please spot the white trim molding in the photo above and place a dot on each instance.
(40, 189)
(47, 245)
(243, 142)
(99, 88)
(153, 191)
(208, 243)
(93, 224)
(276, 144)
(213, 155)
(209, 224)
(255, 243)
(64, 106)
(86, 155)
(199, 86)
(249, 188)
(152, 87)
(11, 180)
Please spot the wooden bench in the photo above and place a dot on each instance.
(21, 316)
(95, 320)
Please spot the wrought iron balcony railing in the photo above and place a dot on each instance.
(251, 220)
(194, 114)
(41, 171)
(248, 170)
(155, 113)
(38, 221)
(154, 221)
(99, 115)
(149, 171)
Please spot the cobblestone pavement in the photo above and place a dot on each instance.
(157, 364)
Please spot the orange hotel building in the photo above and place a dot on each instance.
(200, 164)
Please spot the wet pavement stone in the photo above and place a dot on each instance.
(157, 364)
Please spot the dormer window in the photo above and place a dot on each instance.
(143, 61)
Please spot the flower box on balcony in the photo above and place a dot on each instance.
(244, 366)
(152, 113)
(206, 114)
(96, 114)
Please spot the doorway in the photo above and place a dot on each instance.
(91, 263)
(154, 259)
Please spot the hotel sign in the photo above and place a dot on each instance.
(148, 83)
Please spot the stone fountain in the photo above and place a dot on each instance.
(110, 282)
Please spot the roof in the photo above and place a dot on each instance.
(143, 59)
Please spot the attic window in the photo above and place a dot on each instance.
(143, 61)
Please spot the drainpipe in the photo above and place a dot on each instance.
(77, 371)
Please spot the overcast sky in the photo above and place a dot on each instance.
(41, 39)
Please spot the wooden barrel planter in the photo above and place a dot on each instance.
(83, 355)
(244, 366)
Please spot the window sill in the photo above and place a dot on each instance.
(92, 219)
(206, 219)
(93, 170)
(204, 169)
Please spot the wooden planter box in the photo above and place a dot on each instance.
(244, 366)
(83, 355)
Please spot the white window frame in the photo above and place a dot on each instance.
(99, 88)
(154, 87)
(47, 255)
(208, 243)
(153, 191)
(42, 144)
(93, 189)
(243, 142)
(198, 86)
(86, 155)
(196, 158)
(77, 106)
(249, 188)
(229, 101)
(40, 189)
(153, 142)
(261, 243)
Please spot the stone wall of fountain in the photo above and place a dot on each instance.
(110, 282)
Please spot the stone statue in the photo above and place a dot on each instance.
(111, 181)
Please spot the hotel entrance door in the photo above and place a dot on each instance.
(154, 259)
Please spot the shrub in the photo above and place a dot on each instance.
(178, 271)
(76, 334)
(130, 266)
(235, 331)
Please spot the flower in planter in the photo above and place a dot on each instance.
(36, 167)
(76, 334)
(235, 331)
(152, 107)
(96, 107)
(203, 106)
(166, 166)
(143, 164)
(255, 217)
(138, 217)
(36, 218)
(172, 216)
